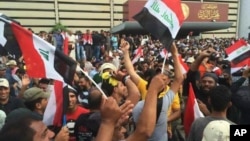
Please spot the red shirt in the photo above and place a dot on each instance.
(71, 118)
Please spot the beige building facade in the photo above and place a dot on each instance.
(42, 15)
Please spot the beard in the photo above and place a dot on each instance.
(204, 90)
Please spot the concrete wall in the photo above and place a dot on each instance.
(244, 18)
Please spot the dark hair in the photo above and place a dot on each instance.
(95, 99)
(32, 104)
(149, 73)
(20, 71)
(44, 81)
(107, 88)
(19, 130)
(220, 96)
(85, 78)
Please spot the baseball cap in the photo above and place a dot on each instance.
(2, 67)
(107, 66)
(34, 93)
(4, 82)
(11, 62)
(217, 130)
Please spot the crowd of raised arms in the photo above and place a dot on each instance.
(145, 95)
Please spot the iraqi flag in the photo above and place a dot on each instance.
(238, 55)
(184, 66)
(163, 53)
(42, 59)
(162, 18)
(192, 110)
(138, 54)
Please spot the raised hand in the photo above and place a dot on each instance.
(208, 52)
(110, 111)
(25, 80)
(174, 50)
(118, 75)
(126, 109)
(125, 46)
(158, 82)
(246, 73)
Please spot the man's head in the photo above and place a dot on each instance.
(72, 100)
(113, 87)
(84, 83)
(27, 128)
(95, 99)
(220, 98)
(145, 66)
(167, 74)
(4, 89)
(12, 64)
(20, 72)
(2, 70)
(43, 84)
(107, 67)
(208, 81)
(36, 99)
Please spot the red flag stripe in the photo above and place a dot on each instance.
(176, 8)
(66, 44)
(235, 46)
(58, 87)
(28, 51)
(192, 110)
(184, 65)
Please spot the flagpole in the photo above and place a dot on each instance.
(97, 86)
(164, 61)
(165, 58)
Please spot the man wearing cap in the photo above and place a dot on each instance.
(11, 70)
(12, 65)
(203, 83)
(220, 101)
(7, 102)
(73, 112)
(4, 74)
(36, 100)
(207, 81)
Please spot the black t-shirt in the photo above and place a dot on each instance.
(12, 104)
(87, 125)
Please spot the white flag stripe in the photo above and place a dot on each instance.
(47, 53)
(168, 19)
(197, 112)
(3, 40)
(137, 57)
(49, 113)
(238, 52)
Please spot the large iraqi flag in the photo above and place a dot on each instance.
(42, 60)
(238, 55)
(162, 18)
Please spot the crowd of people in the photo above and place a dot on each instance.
(144, 95)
